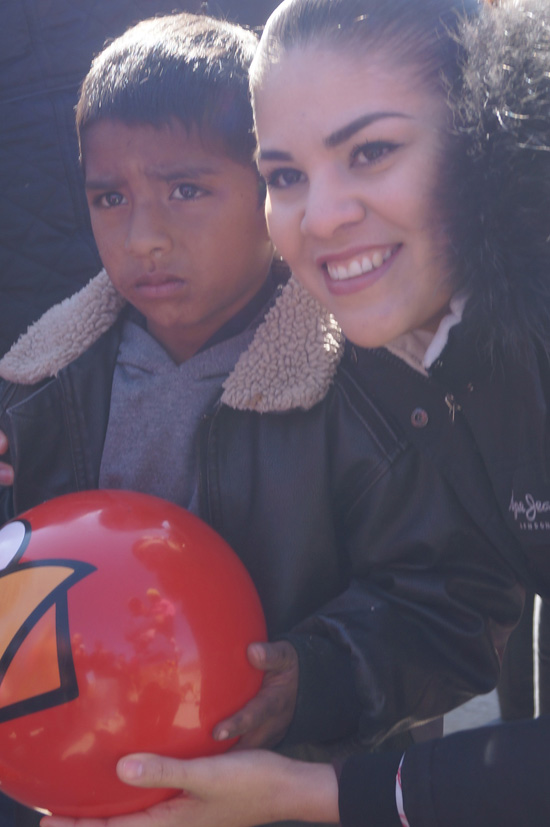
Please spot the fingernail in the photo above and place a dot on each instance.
(222, 735)
(256, 650)
(131, 768)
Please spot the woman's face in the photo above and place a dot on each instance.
(350, 148)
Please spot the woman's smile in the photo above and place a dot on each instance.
(358, 264)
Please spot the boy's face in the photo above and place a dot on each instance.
(179, 228)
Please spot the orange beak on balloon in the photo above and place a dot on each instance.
(36, 664)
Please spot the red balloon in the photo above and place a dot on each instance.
(124, 627)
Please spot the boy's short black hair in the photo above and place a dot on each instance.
(188, 67)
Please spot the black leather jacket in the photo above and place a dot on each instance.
(500, 433)
(362, 554)
(494, 417)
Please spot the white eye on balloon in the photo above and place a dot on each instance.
(14, 538)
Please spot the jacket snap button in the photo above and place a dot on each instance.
(419, 418)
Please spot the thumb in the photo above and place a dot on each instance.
(145, 770)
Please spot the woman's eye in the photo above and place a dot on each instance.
(372, 152)
(283, 178)
(187, 192)
(110, 199)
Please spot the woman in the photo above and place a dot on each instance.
(431, 211)
(405, 149)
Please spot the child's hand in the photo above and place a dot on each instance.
(264, 721)
(6, 471)
(239, 789)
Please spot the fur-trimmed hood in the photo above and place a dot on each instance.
(290, 363)
(497, 186)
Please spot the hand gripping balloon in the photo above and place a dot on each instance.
(124, 622)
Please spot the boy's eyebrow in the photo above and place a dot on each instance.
(335, 138)
(273, 155)
(103, 183)
(173, 173)
(160, 174)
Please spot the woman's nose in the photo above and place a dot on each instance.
(332, 203)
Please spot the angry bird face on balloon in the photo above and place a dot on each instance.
(33, 596)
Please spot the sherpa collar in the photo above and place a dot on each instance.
(290, 363)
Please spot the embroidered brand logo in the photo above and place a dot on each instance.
(527, 513)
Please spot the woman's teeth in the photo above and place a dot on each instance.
(358, 266)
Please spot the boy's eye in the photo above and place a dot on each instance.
(110, 199)
(284, 178)
(187, 192)
(371, 152)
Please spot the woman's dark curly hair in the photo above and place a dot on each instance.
(500, 181)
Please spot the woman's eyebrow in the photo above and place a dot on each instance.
(346, 132)
(335, 138)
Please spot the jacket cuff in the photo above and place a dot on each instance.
(327, 704)
(366, 790)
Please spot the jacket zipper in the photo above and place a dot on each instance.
(206, 506)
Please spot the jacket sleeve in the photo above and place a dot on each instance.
(426, 612)
(366, 789)
(492, 775)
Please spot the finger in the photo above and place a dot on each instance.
(133, 820)
(263, 707)
(6, 474)
(277, 656)
(57, 821)
(235, 726)
(264, 737)
(62, 821)
(3, 442)
(249, 717)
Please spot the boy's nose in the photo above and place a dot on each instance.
(148, 231)
(330, 205)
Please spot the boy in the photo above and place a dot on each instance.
(164, 376)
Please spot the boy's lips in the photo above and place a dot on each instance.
(158, 285)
